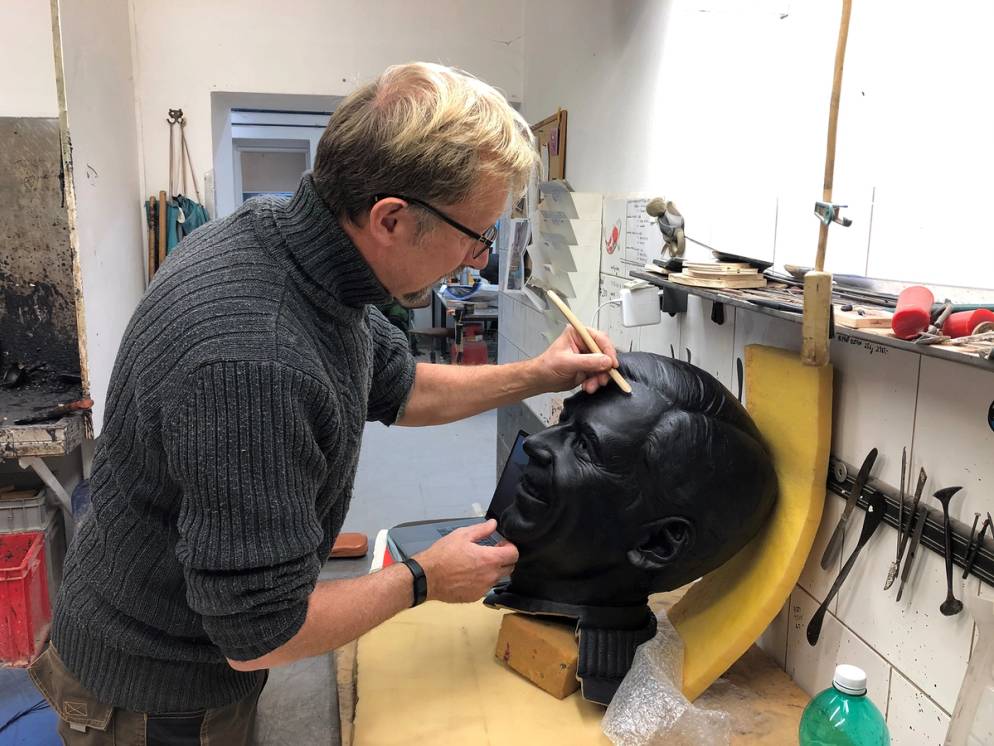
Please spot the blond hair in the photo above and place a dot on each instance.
(421, 130)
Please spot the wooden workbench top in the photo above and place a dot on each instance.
(428, 676)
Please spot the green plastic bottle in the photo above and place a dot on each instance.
(842, 715)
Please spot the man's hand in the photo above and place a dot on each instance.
(461, 571)
(566, 363)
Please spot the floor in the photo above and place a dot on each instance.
(405, 474)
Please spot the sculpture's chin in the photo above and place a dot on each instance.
(529, 517)
(520, 528)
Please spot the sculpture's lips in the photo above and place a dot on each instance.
(530, 491)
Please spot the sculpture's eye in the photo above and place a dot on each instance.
(580, 445)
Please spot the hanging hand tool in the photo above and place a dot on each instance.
(892, 570)
(969, 544)
(875, 509)
(919, 491)
(951, 605)
(916, 541)
(975, 549)
(835, 543)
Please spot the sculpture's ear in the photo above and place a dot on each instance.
(669, 539)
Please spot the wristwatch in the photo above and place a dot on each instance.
(420, 582)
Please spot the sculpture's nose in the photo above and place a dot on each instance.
(538, 449)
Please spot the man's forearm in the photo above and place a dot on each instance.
(445, 393)
(338, 612)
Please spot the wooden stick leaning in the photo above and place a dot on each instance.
(587, 339)
(818, 282)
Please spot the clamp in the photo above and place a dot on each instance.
(828, 212)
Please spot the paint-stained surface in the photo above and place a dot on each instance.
(37, 296)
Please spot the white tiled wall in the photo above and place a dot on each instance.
(710, 345)
(885, 398)
(836, 644)
(912, 718)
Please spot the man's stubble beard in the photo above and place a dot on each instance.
(421, 298)
(417, 299)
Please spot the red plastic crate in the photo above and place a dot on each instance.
(25, 611)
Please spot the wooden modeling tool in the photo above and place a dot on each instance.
(818, 282)
(585, 336)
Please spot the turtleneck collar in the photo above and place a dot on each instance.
(307, 239)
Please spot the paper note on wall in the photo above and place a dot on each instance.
(643, 241)
(630, 237)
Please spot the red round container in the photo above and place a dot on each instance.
(913, 314)
(25, 612)
(962, 323)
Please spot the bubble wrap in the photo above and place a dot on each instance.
(650, 710)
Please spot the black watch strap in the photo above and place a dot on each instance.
(420, 581)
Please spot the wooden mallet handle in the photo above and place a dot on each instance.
(587, 339)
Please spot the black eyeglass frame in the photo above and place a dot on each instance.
(488, 238)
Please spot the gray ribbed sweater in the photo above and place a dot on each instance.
(226, 462)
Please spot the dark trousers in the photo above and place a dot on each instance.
(85, 720)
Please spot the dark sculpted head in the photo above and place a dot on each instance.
(634, 494)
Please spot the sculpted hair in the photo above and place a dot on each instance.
(707, 455)
(421, 130)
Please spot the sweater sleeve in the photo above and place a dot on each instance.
(243, 449)
(393, 370)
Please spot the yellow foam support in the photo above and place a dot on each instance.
(726, 611)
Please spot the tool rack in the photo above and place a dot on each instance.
(933, 535)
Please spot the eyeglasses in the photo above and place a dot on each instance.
(487, 238)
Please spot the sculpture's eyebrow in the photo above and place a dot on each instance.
(590, 434)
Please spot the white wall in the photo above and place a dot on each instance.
(722, 106)
(109, 224)
(27, 66)
(186, 49)
(272, 171)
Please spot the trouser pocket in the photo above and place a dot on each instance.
(87, 720)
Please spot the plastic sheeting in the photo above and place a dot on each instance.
(650, 710)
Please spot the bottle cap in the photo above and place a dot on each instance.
(849, 679)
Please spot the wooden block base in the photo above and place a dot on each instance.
(543, 652)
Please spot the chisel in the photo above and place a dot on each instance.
(913, 549)
(895, 565)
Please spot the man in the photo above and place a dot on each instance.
(236, 409)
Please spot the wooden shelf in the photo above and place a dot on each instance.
(843, 334)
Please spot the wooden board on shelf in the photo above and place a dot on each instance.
(730, 281)
(870, 318)
(717, 275)
(722, 268)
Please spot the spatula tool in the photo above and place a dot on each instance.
(875, 509)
